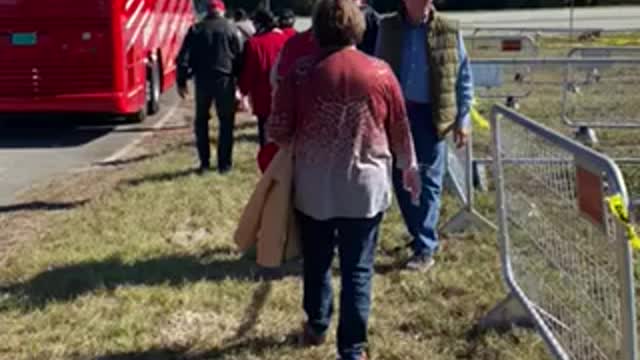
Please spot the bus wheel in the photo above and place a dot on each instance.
(138, 117)
(153, 90)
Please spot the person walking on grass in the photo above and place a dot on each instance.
(303, 43)
(211, 53)
(342, 114)
(426, 52)
(286, 22)
(298, 46)
(244, 24)
(260, 56)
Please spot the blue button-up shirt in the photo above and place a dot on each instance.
(414, 72)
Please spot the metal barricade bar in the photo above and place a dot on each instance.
(510, 45)
(533, 30)
(620, 75)
(565, 257)
(459, 176)
(593, 92)
(604, 52)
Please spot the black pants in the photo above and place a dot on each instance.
(262, 136)
(220, 90)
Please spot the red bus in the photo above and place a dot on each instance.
(89, 56)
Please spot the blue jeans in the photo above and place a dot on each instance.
(422, 220)
(356, 240)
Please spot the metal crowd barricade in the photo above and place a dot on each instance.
(584, 89)
(493, 80)
(490, 46)
(460, 179)
(565, 257)
(515, 79)
(604, 52)
(537, 31)
(602, 94)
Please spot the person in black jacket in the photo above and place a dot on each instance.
(372, 19)
(211, 53)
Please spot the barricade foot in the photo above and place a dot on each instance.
(505, 316)
(467, 219)
(587, 136)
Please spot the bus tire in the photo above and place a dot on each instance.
(138, 117)
(153, 88)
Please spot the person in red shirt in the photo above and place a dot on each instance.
(260, 55)
(342, 114)
(286, 21)
(300, 45)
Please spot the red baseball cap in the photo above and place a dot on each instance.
(216, 5)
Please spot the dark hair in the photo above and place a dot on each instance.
(287, 18)
(338, 23)
(264, 19)
(239, 14)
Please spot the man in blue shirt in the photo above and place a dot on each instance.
(426, 51)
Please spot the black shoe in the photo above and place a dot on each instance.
(420, 263)
(203, 169)
(224, 169)
(309, 339)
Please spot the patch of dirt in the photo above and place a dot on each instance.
(185, 329)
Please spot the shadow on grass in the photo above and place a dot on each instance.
(252, 314)
(161, 177)
(257, 347)
(42, 206)
(67, 283)
(141, 158)
(248, 138)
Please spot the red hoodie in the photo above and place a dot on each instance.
(300, 45)
(261, 52)
(289, 32)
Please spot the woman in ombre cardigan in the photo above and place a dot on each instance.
(343, 114)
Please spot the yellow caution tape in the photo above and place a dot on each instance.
(616, 206)
(478, 120)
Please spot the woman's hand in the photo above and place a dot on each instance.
(413, 183)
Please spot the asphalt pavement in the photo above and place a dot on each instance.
(35, 148)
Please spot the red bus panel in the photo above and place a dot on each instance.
(86, 56)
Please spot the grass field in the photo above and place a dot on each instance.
(141, 265)
(149, 271)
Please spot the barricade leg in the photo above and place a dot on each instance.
(460, 177)
(509, 313)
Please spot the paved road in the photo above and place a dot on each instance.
(34, 149)
(611, 18)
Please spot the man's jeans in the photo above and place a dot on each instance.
(422, 220)
(356, 241)
(220, 90)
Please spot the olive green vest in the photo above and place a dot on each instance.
(442, 49)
